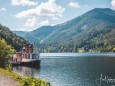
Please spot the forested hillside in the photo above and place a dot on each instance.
(11, 38)
(92, 41)
(98, 34)
(94, 31)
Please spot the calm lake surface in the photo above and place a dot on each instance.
(73, 69)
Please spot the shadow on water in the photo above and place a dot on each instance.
(72, 71)
(26, 71)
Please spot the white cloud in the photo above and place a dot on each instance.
(113, 3)
(74, 4)
(45, 9)
(2, 9)
(33, 22)
(23, 2)
(51, 1)
(44, 23)
(55, 18)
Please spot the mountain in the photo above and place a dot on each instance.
(21, 33)
(93, 30)
(11, 38)
(37, 35)
(96, 18)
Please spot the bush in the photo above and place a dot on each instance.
(28, 81)
(5, 52)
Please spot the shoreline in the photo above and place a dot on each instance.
(8, 78)
(8, 81)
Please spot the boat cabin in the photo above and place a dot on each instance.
(28, 54)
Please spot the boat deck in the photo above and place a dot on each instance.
(15, 63)
(32, 63)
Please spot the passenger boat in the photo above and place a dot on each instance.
(27, 57)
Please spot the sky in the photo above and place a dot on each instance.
(28, 15)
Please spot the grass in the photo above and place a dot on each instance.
(28, 81)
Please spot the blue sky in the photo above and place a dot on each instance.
(28, 15)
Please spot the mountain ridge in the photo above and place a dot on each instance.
(93, 22)
(11, 38)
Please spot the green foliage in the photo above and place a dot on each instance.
(11, 38)
(5, 52)
(96, 19)
(36, 35)
(9, 67)
(93, 41)
(94, 31)
(28, 81)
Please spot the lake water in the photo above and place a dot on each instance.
(73, 69)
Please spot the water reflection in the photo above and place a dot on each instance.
(25, 71)
(72, 71)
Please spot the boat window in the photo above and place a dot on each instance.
(33, 56)
(28, 56)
